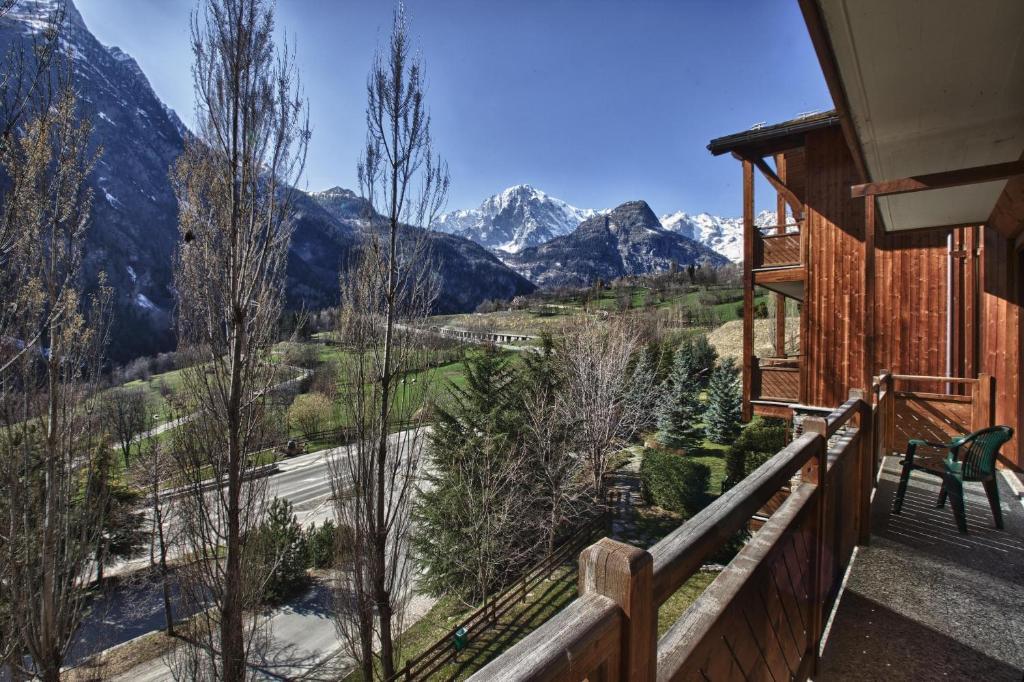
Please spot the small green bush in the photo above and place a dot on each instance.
(674, 482)
(322, 545)
(282, 549)
(756, 444)
(306, 355)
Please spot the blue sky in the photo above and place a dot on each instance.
(594, 101)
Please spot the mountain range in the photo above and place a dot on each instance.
(627, 240)
(133, 232)
(515, 241)
(522, 217)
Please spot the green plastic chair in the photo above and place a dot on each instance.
(971, 458)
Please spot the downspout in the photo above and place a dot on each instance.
(949, 310)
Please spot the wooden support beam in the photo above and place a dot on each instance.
(953, 178)
(780, 276)
(868, 296)
(795, 204)
(748, 288)
(780, 222)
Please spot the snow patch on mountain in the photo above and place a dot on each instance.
(724, 235)
(515, 219)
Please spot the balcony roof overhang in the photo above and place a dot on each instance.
(925, 88)
(765, 140)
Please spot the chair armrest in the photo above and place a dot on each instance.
(918, 441)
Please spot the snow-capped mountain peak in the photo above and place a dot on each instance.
(724, 235)
(516, 218)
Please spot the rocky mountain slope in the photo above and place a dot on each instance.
(628, 240)
(514, 219)
(468, 272)
(133, 233)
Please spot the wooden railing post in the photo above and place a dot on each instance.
(816, 473)
(981, 403)
(625, 574)
(865, 467)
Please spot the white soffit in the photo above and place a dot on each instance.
(932, 85)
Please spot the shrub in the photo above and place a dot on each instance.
(322, 543)
(674, 482)
(282, 549)
(310, 412)
(757, 442)
(304, 355)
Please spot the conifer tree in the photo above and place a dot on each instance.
(680, 408)
(644, 390)
(703, 356)
(469, 530)
(722, 418)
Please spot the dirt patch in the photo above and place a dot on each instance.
(728, 339)
(122, 658)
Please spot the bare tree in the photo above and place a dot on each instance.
(234, 185)
(152, 468)
(391, 287)
(26, 87)
(559, 487)
(126, 413)
(595, 359)
(52, 486)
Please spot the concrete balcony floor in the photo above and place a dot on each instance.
(924, 602)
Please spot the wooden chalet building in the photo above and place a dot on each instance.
(902, 222)
(900, 240)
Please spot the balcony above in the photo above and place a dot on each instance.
(779, 259)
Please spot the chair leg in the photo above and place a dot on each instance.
(992, 490)
(943, 494)
(956, 496)
(897, 505)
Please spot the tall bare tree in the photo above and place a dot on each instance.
(151, 469)
(234, 184)
(26, 88)
(126, 412)
(391, 287)
(52, 486)
(595, 358)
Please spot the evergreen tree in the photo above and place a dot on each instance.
(722, 418)
(282, 548)
(680, 408)
(644, 389)
(470, 530)
(700, 357)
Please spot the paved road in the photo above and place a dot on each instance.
(303, 631)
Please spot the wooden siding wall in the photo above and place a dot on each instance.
(912, 290)
(1002, 334)
(832, 326)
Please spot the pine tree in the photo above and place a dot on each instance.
(722, 418)
(701, 357)
(644, 389)
(471, 531)
(680, 408)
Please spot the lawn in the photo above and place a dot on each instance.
(547, 599)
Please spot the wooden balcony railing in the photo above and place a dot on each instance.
(775, 379)
(939, 408)
(773, 250)
(762, 617)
